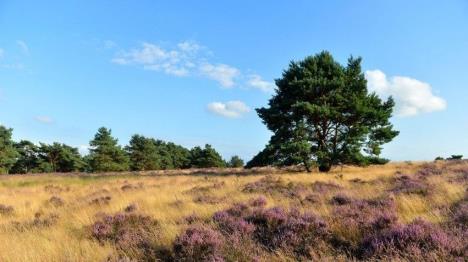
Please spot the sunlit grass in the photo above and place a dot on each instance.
(168, 200)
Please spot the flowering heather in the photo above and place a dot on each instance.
(293, 231)
(418, 240)
(357, 218)
(408, 185)
(460, 215)
(198, 244)
(258, 202)
(133, 234)
(430, 169)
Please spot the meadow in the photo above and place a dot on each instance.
(398, 211)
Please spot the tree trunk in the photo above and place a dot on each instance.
(324, 167)
(307, 167)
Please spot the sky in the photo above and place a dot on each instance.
(193, 72)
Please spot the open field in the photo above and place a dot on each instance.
(52, 217)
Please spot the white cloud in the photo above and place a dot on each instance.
(412, 97)
(187, 59)
(230, 109)
(152, 57)
(223, 74)
(44, 119)
(257, 82)
(24, 47)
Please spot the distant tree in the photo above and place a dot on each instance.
(439, 158)
(206, 157)
(105, 153)
(455, 157)
(323, 113)
(59, 157)
(8, 152)
(143, 153)
(236, 161)
(28, 159)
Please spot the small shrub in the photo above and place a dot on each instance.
(198, 244)
(56, 201)
(6, 210)
(41, 220)
(135, 236)
(104, 200)
(131, 208)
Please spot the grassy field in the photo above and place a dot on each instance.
(50, 217)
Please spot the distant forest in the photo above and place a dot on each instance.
(105, 155)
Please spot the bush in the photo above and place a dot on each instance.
(134, 235)
(198, 244)
(6, 210)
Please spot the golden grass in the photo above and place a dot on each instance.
(167, 199)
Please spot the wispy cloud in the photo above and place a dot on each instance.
(23, 46)
(187, 59)
(257, 82)
(230, 109)
(44, 119)
(412, 97)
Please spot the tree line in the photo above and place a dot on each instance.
(105, 155)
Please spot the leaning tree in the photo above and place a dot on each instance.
(323, 114)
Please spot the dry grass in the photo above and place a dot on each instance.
(169, 198)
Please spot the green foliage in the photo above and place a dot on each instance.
(8, 153)
(236, 161)
(59, 158)
(438, 158)
(455, 157)
(150, 154)
(323, 113)
(105, 154)
(143, 153)
(28, 160)
(206, 157)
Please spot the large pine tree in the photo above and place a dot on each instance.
(323, 113)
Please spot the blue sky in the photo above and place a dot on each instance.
(192, 72)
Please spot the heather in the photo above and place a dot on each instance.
(400, 211)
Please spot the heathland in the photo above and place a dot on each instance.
(406, 211)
